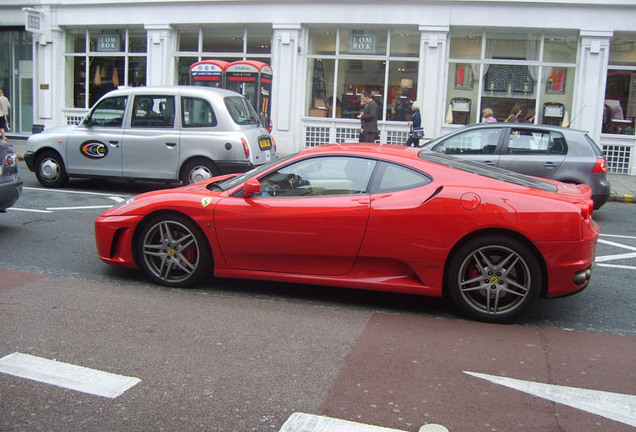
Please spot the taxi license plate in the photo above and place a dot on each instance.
(265, 143)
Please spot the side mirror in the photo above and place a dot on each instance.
(251, 187)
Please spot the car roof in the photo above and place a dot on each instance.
(518, 126)
(183, 89)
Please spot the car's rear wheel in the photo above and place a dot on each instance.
(50, 170)
(173, 251)
(494, 278)
(198, 169)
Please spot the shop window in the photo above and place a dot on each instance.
(509, 71)
(405, 44)
(114, 58)
(338, 74)
(619, 110)
(322, 42)
(402, 90)
(189, 40)
(220, 39)
(465, 45)
(365, 42)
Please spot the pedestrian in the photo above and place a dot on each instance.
(369, 118)
(530, 117)
(417, 131)
(514, 114)
(487, 116)
(5, 106)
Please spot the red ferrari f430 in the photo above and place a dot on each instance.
(377, 217)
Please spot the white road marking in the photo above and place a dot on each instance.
(614, 406)
(66, 375)
(29, 210)
(301, 422)
(117, 199)
(618, 236)
(68, 191)
(80, 207)
(618, 266)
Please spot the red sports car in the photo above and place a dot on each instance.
(377, 217)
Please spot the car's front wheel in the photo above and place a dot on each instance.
(50, 170)
(494, 278)
(173, 251)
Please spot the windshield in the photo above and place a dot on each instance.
(241, 111)
(487, 171)
(235, 181)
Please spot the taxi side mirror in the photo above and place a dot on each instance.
(251, 187)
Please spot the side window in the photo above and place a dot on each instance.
(320, 176)
(109, 112)
(396, 177)
(197, 112)
(483, 141)
(153, 111)
(535, 142)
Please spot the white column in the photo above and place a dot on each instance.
(160, 67)
(285, 87)
(589, 96)
(432, 77)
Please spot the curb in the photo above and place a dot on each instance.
(625, 198)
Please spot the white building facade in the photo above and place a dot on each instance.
(568, 62)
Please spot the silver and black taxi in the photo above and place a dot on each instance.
(180, 133)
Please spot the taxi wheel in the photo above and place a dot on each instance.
(494, 278)
(50, 170)
(198, 169)
(173, 251)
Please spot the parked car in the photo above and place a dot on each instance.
(562, 154)
(179, 133)
(10, 182)
(378, 217)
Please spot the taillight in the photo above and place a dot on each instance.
(601, 166)
(246, 148)
(10, 160)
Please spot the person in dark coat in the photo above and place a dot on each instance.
(416, 122)
(369, 118)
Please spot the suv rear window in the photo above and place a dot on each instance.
(241, 111)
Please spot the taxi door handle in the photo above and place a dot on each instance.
(113, 143)
(171, 144)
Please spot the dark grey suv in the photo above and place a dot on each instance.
(563, 154)
(10, 182)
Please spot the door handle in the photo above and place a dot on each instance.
(491, 163)
(171, 144)
(114, 143)
(549, 165)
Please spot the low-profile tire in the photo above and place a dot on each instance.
(493, 278)
(198, 169)
(173, 251)
(50, 170)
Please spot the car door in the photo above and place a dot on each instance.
(479, 145)
(94, 147)
(537, 152)
(310, 218)
(150, 147)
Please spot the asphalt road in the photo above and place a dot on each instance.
(243, 356)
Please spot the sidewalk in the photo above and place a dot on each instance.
(623, 187)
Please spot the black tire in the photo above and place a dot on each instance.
(173, 251)
(493, 278)
(50, 170)
(198, 169)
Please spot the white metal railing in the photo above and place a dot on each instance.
(324, 131)
(619, 152)
(73, 116)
